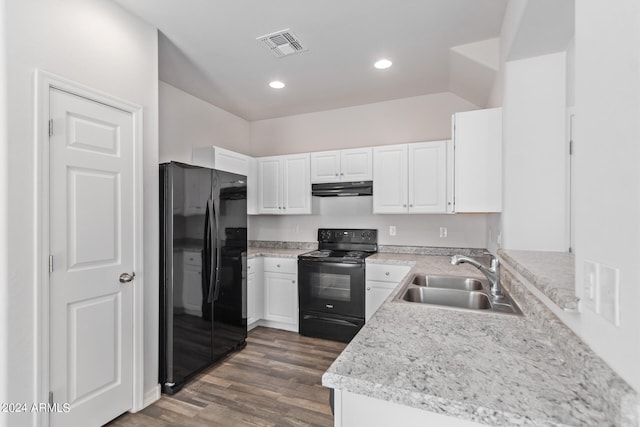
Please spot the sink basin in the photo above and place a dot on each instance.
(456, 292)
(448, 282)
(448, 297)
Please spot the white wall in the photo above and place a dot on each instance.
(607, 96)
(97, 44)
(4, 252)
(466, 231)
(420, 118)
(187, 121)
(534, 154)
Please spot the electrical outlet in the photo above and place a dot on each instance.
(443, 231)
(608, 294)
(590, 286)
(392, 230)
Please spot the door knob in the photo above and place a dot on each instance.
(126, 277)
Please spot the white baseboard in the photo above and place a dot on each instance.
(151, 396)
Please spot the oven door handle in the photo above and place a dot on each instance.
(341, 264)
(329, 320)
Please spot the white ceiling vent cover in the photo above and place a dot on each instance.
(282, 43)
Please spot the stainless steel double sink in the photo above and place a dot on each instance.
(457, 292)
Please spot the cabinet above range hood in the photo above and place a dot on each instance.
(338, 189)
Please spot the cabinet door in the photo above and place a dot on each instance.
(269, 185)
(296, 184)
(255, 298)
(428, 177)
(477, 136)
(325, 167)
(356, 164)
(231, 161)
(376, 294)
(390, 179)
(281, 297)
(251, 299)
(252, 187)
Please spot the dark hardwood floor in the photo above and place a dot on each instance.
(274, 381)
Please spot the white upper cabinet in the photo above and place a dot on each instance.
(428, 177)
(390, 179)
(477, 137)
(230, 161)
(270, 185)
(410, 178)
(342, 165)
(325, 167)
(284, 185)
(221, 159)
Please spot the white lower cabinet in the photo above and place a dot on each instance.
(355, 410)
(280, 293)
(381, 280)
(255, 295)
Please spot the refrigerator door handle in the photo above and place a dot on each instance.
(216, 236)
(212, 249)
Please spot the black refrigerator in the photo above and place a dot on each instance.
(203, 254)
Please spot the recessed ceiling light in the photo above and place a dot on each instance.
(383, 64)
(276, 84)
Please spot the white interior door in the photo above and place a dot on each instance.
(92, 245)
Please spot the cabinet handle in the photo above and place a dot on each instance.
(410, 206)
(341, 174)
(293, 281)
(404, 206)
(336, 174)
(386, 274)
(369, 289)
(278, 265)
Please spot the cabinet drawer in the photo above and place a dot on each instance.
(386, 272)
(281, 265)
(192, 258)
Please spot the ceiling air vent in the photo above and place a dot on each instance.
(282, 43)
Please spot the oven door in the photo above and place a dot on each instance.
(331, 287)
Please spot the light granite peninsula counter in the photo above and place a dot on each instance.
(461, 367)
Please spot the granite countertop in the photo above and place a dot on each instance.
(551, 272)
(275, 252)
(489, 368)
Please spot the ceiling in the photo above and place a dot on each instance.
(208, 48)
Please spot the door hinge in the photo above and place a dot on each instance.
(50, 127)
(571, 147)
(50, 398)
(50, 263)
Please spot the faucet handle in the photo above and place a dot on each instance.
(490, 255)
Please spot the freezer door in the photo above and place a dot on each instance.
(229, 294)
(186, 324)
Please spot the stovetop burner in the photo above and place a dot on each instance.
(335, 256)
(343, 245)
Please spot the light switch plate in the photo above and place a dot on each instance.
(590, 285)
(392, 230)
(608, 295)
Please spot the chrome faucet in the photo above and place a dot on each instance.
(492, 273)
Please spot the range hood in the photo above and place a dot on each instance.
(335, 189)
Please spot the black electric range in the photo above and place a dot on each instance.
(331, 283)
